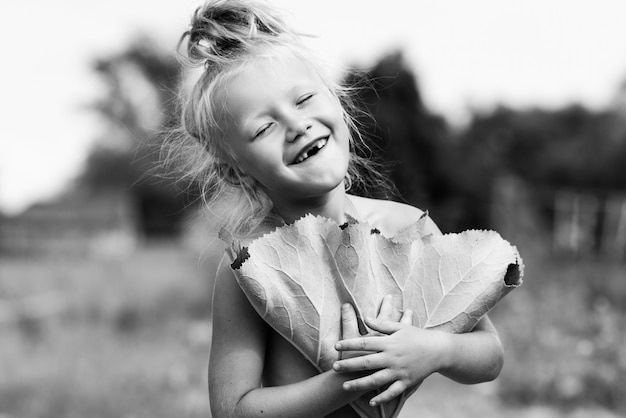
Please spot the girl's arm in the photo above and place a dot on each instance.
(237, 361)
(474, 357)
(407, 355)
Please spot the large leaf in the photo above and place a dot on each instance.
(298, 276)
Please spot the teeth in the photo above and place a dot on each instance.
(312, 150)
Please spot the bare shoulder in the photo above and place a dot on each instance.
(388, 216)
(227, 294)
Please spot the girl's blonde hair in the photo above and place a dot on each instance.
(224, 38)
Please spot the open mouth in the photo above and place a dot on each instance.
(312, 149)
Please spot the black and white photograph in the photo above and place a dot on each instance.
(342, 209)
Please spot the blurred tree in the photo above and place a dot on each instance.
(571, 147)
(141, 86)
(405, 135)
(453, 175)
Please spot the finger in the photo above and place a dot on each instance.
(349, 324)
(373, 381)
(407, 317)
(384, 326)
(393, 391)
(365, 362)
(361, 344)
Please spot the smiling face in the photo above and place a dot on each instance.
(286, 129)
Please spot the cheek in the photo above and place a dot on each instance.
(333, 116)
(343, 134)
(259, 160)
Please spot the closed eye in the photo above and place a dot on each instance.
(304, 99)
(262, 130)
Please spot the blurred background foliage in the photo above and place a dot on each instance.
(106, 291)
(142, 87)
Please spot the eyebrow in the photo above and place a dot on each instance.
(301, 85)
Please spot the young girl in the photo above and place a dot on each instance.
(276, 143)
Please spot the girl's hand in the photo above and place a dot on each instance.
(402, 358)
(350, 326)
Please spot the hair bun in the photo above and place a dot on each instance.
(223, 29)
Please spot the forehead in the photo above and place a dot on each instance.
(265, 78)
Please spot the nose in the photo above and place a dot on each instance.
(297, 128)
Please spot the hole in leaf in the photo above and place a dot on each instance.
(242, 256)
(512, 276)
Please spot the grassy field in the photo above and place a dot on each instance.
(128, 336)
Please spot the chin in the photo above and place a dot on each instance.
(326, 187)
(331, 177)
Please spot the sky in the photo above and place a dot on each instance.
(467, 55)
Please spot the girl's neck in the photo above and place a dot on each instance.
(333, 205)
